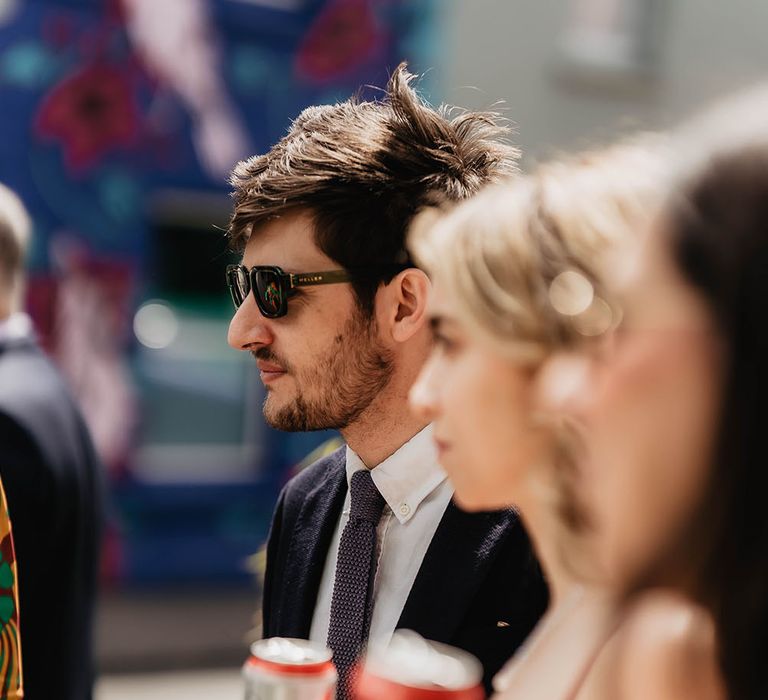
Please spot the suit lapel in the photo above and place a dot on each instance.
(457, 561)
(310, 540)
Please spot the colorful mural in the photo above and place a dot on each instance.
(121, 120)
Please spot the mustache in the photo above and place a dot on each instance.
(267, 355)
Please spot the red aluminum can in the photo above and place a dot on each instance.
(412, 668)
(289, 669)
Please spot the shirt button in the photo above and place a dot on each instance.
(405, 509)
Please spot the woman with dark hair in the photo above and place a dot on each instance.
(675, 402)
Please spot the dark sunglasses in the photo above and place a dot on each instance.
(272, 287)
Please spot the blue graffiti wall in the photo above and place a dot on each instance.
(120, 121)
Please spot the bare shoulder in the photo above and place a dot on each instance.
(664, 649)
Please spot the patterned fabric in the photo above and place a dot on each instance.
(353, 586)
(10, 647)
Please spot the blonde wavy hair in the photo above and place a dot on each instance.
(15, 230)
(509, 253)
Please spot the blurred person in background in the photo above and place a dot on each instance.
(498, 262)
(53, 485)
(368, 539)
(674, 410)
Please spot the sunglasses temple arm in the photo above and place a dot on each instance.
(316, 278)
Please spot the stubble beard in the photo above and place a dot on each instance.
(340, 386)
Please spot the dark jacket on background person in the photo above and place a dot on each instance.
(52, 482)
(479, 587)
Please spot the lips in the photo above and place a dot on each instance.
(269, 372)
(269, 367)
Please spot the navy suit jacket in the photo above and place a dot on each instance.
(479, 587)
(53, 486)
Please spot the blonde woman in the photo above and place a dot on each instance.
(516, 275)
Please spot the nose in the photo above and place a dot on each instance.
(424, 396)
(562, 386)
(248, 329)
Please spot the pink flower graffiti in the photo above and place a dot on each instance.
(91, 113)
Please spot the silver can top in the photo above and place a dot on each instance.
(284, 650)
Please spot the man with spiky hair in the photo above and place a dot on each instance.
(368, 539)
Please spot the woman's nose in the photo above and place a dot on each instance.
(423, 396)
(562, 385)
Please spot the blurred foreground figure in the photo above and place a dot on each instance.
(52, 482)
(368, 539)
(11, 682)
(675, 408)
(518, 276)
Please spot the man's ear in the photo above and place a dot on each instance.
(406, 303)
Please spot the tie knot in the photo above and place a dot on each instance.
(366, 503)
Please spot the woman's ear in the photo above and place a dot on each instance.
(407, 296)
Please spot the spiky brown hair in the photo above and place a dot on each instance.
(363, 169)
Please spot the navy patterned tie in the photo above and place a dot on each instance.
(352, 599)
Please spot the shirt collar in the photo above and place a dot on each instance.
(407, 476)
(17, 325)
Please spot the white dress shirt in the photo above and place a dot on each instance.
(417, 492)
